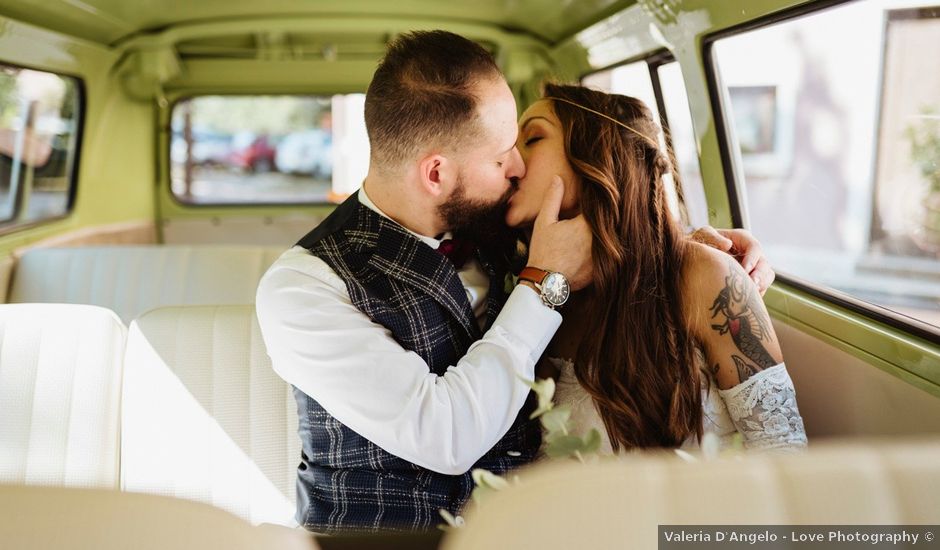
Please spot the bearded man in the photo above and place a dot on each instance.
(392, 319)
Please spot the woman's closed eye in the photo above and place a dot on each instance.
(532, 140)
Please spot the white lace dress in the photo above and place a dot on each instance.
(762, 409)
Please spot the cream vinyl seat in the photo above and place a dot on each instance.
(133, 279)
(60, 384)
(619, 503)
(205, 417)
(83, 519)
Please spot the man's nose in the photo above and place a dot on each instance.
(517, 165)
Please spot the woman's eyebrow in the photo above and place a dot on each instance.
(531, 118)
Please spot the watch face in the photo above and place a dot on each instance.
(555, 289)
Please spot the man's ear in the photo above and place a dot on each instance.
(437, 174)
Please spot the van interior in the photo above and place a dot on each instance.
(156, 156)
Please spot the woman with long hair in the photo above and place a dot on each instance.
(671, 339)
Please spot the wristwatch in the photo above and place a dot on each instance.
(552, 286)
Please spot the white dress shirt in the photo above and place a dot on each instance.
(322, 344)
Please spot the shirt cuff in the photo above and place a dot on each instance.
(527, 319)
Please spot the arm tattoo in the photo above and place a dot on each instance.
(745, 370)
(745, 320)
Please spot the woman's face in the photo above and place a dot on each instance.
(542, 145)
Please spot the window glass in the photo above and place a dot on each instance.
(835, 122)
(268, 149)
(39, 119)
(683, 141)
(634, 80)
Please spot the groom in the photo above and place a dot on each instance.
(405, 347)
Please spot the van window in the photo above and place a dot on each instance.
(267, 149)
(833, 123)
(682, 137)
(39, 130)
(636, 80)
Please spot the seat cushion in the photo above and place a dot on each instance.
(618, 503)
(205, 417)
(85, 519)
(60, 381)
(133, 279)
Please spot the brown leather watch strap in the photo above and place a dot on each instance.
(533, 275)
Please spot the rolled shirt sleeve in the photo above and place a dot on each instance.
(322, 344)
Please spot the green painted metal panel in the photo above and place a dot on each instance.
(891, 349)
(110, 21)
(115, 173)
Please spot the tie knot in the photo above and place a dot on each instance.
(456, 250)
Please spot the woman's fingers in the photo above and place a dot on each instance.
(551, 203)
(707, 235)
(762, 275)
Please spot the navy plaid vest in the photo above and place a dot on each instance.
(344, 481)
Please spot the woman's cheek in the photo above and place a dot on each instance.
(516, 218)
(513, 219)
(571, 202)
(520, 212)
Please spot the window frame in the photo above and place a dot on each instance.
(905, 14)
(723, 128)
(654, 60)
(13, 225)
(167, 139)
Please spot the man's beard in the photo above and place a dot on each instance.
(479, 221)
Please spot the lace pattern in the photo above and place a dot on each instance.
(763, 408)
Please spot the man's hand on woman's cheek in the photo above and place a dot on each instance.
(741, 244)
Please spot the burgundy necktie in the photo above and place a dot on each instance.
(457, 251)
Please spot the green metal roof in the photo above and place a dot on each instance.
(111, 22)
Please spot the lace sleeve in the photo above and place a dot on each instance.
(763, 408)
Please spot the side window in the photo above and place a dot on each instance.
(40, 116)
(637, 80)
(683, 140)
(267, 149)
(833, 122)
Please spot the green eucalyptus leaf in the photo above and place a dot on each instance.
(545, 390)
(685, 455)
(529, 383)
(592, 442)
(563, 446)
(452, 521)
(556, 419)
(544, 387)
(488, 480)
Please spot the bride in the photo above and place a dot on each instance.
(671, 339)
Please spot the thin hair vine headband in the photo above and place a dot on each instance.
(610, 118)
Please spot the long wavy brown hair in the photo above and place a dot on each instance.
(637, 357)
